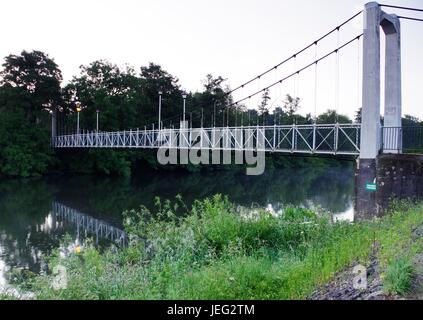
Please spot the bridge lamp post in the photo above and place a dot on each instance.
(160, 109)
(97, 113)
(78, 110)
(184, 96)
(214, 113)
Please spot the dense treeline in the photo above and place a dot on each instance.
(31, 88)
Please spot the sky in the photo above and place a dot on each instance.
(235, 39)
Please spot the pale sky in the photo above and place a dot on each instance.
(236, 39)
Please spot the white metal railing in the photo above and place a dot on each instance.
(313, 139)
(405, 139)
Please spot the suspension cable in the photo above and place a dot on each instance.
(294, 80)
(337, 77)
(315, 84)
(358, 72)
(410, 18)
(276, 99)
(273, 106)
(297, 94)
(296, 54)
(402, 8)
(298, 71)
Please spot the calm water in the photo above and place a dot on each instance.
(34, 214)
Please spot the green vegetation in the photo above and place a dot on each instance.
(213, 251)
(7, 297)
(29, 88)
(398, 278)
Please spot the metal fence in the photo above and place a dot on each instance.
(407, 139)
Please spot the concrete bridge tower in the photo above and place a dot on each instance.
(373, 139)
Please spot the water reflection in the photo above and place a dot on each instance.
(35, 214)
(85, 225)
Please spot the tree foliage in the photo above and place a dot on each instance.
(31, 81)
(29, 90)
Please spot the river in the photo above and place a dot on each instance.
(36, 213)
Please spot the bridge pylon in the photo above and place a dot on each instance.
(373, 139)
(371, 133)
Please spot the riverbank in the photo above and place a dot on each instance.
(213, 251)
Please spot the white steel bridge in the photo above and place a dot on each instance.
(336, 139)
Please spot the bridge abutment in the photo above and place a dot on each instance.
(396, 177)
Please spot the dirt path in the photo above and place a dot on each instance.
(342, 286)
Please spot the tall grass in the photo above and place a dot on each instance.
(214, 252)
(398, 276)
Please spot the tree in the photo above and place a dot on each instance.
(331, 116)
(114, 92)
(263, 107)
(291, 105)
(29, 90)
(154, 79)
(214, 102)
(24, 148)
(410, 121)
(213, 85)
(32, 80)
(278, 115)
(357, 117)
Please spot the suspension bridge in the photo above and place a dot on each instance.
(365, 140)
(340, 139)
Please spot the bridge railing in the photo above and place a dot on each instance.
(315, 138)
(406, 139)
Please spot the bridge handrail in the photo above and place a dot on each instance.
(141, 131)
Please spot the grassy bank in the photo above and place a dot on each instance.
(214, 252)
